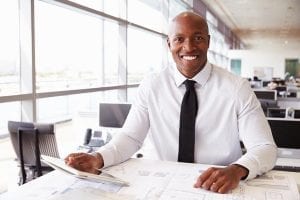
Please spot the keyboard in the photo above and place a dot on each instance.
(287, 168)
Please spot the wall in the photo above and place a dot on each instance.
(264, 58)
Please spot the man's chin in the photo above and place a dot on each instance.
(188, 71)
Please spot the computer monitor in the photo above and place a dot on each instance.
(280, 89)
(113, 114)
(266, 94)
(285, 132)
(265, 104)
(276, 112)
(297, 114)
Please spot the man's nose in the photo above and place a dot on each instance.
(189, 45)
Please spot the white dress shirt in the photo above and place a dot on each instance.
(228, 111)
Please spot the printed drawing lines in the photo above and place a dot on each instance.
(274, 196)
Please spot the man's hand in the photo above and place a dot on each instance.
(85, 162)
(221, 180)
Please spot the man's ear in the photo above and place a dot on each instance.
(168, 41)
(208, 40)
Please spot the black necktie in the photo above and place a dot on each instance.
(189, 107)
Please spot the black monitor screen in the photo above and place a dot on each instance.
(113, 114)
(266, 94)
(276, 112)
(297, 114)
(286, 133)
(281, 88)
(265, 104)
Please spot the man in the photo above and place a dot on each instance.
(227, 112)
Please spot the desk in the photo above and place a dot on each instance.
(150, 179)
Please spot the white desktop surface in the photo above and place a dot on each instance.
(168, 180)
(288, 162)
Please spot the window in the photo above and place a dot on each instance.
(218, 48)
(145, 54)
(69, 49)
(211, 19)
(175, 8)
(111, 53)
(10, 111)
(74, 106)
(146, 13)
(111, 7)
(9, 48)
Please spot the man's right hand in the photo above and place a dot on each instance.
(85, 162)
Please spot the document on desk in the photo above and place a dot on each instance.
(60, 165)
(153, 180)
(174, 181)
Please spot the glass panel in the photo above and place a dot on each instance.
(111, 53)
(110, 7)
(55, 109)
(190, 2)
(212, 19)
(113, 7)
(145, 54)
(9, 48)
(131, 94)
(69, 49)
(176, 7)
(218, 48)
(94, 4)
(10, 111)
(146, 13)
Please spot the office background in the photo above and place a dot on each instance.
(60, 58)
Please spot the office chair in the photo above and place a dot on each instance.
(29, 141)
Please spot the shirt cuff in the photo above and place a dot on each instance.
(107, 157)
(252, 168)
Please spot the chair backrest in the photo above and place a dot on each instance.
(46, 138)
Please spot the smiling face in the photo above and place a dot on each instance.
(188, 41)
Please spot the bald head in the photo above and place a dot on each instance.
(190, 17)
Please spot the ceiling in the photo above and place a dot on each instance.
(261, 24)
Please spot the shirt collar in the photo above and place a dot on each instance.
(200, 78)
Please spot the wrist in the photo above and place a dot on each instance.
(100, 161)
(241, 171)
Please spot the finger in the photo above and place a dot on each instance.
(75, 159)
(84, 166)
(211, 180)
(225, 188)
(215, 186)
(84, 162)
(80, 164)
(204, 176)
(201, 179)
(68, 157)
(72, 155)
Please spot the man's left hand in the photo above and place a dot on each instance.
(221, 180)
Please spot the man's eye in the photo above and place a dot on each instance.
(199, 38)
(178, 39)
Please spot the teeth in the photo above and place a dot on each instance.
(189, 57)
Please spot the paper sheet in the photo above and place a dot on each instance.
(153, 180)
(166, 180)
